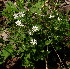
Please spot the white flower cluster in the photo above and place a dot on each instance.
(20, 14)
(15, 16)
(33, 41)
(18, 23)
(59, 19)
(34, 29)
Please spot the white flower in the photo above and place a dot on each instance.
(23, 45)
(40, 9)
(42, 15)
(30, 33)
(33, 41)
(51, 16)
(47, 49)
(21, 14)
(56, 28)
(34, 28)
(15, 16)
(56, 4)
(35, 13)
(59, 19)
(19, 23)
(15, 4)
(57, 36)
(56, 13)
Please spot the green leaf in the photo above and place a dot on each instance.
(34, 50)
(55, 37)
(28, 55)
(58, 48)
(48, 52)
(37, 7)
(68, 33)
(48, 42)
(42, 51)
(5, 54)
(42, 58)
(1, 62)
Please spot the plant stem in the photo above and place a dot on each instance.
(46, 63)
(58, 57)
(46, 59)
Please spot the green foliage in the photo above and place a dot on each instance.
(36, 8)
(40, 30)
(10, 9)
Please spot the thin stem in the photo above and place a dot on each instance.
(46, 63)
(46, 59)
(58, 56)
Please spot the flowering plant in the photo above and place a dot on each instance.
(33, 31)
